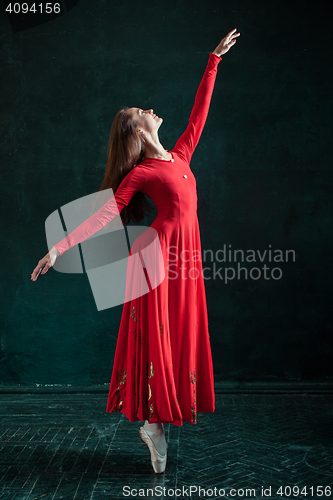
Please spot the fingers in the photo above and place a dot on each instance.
(231, 38)
(46, 268)
(231, 43)
(40, 269)
(36, 273)
(231, 32)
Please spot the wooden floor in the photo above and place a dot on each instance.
(65, 446)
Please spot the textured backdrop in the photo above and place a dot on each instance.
(263, 168)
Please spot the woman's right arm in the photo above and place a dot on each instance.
(133, 182)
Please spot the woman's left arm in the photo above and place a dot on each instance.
(189, 139)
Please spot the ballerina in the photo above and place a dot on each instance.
(163, 371)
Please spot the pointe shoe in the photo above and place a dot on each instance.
(158, 461)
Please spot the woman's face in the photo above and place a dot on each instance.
(146, 119)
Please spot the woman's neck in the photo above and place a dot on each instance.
(154, 149)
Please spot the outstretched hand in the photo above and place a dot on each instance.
(226, 43)
(45, 263)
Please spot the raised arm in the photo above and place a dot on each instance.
(133, 182)
(189, 139)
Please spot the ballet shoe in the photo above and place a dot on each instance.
(157, 461)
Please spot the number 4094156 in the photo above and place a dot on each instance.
(24, 8)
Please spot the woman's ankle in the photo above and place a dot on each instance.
(154, 427)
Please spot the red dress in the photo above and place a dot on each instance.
(163, 369)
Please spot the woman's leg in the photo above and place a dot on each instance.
(157, 435)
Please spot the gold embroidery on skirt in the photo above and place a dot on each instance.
(151, 412)
(151, 370)
(161, 329)
(193, 377)
(122, 380)
(194, 417)
(120, 403)
(133, 314)
(149, 395)
(135, 334)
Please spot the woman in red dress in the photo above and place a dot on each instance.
(163, 371)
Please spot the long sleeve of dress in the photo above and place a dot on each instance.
(133, 182)
(189, 139)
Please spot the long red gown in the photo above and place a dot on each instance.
(163, 369)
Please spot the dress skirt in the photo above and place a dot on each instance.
(163, 369)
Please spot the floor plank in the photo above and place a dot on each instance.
(65, 446)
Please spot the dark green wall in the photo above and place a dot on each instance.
(263, 168)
